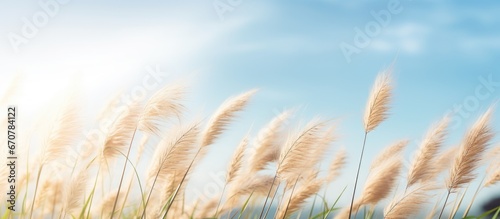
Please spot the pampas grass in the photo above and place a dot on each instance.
(421, 167)
(266, 149)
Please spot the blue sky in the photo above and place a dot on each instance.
(289, 49)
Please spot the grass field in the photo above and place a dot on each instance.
(275, 174)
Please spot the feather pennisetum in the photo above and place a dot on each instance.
(493, 171)
(208, 208)
(408, 204)
(223, 116)
(106, 205)
(266, 147)
(63, 132)
(296, 152)
(256, 185)
(337, 165)
(381, 181)
(378, 186)
(236, 162)
(345, 212)
(163, 104)
(119, 136)
(388, 153)
(174, 152)
(308, 188)
(378, 103)
(74, 192)
(421, 166)
(472, 147)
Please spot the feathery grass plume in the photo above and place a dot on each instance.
(345, 212)
(223, 116)
(376, 112)
(322, 146)
(408, 204)
(62, 133)
(473, 145)
(142, 147)
(107, 203)
(475, 142)
(382, 181)
(493, 172)
(255, 185)
(216, 125)
(442, 162)
(107, 111)
(54, 196)
(74, 192)
(378, 186)
(337, 165)
(378, 104)
(236, 163)
(174, 152)
(309, 187)
(162, 104)
(388, 153)
(208, 208)
(421, 166)
(119, 136)
(172, 156)
(45, 189)
(295, 156)
(234, 167)
(266, 147)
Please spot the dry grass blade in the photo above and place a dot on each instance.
(74, 193)
(337, 165)
(223, 116)
(421, 166)
(408, 204)
(378, 103)
(388, 153)
(473, 145)
(266, 148)
(297, 155)
(162, 104)
(236, 163)
(118, 139)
